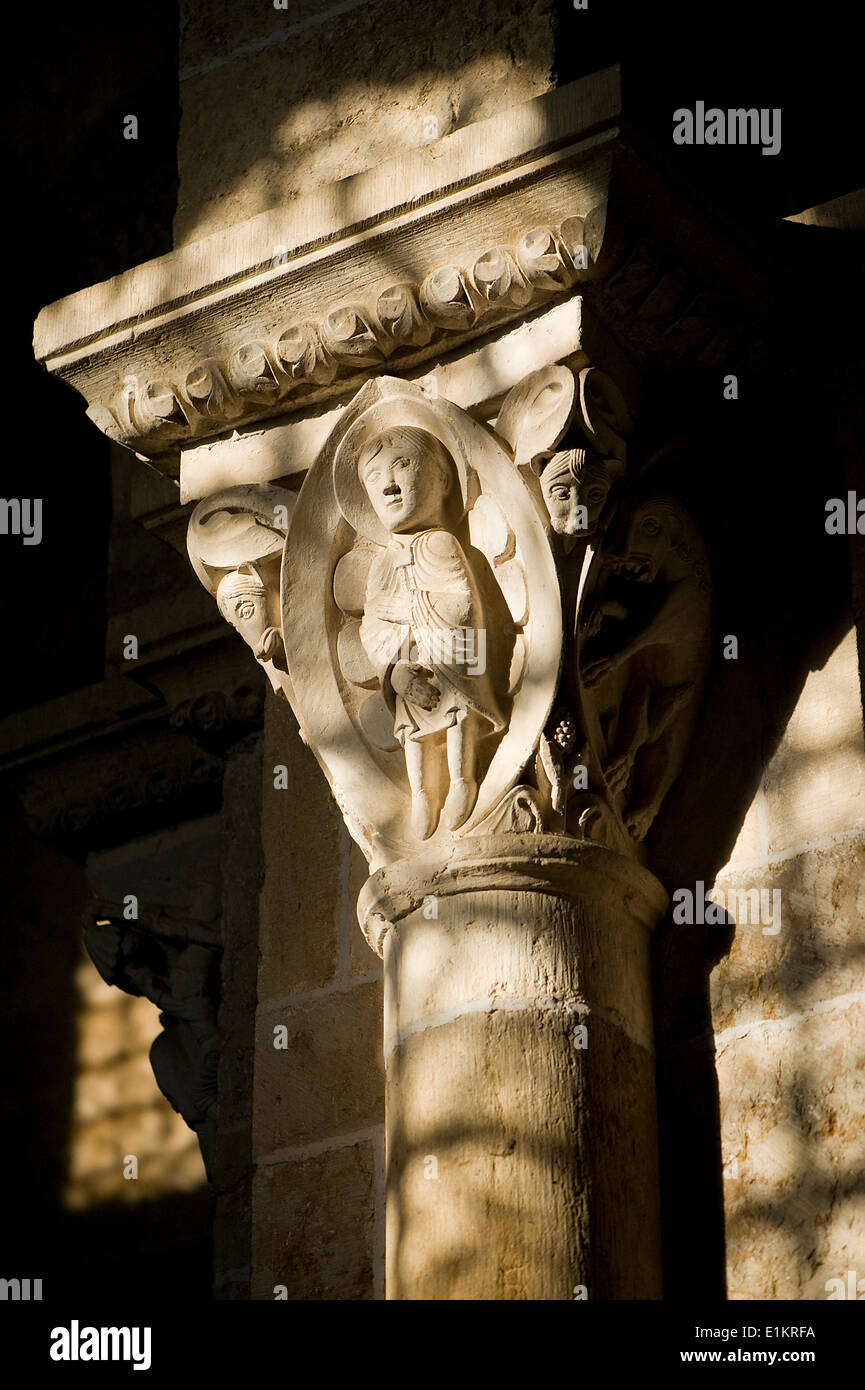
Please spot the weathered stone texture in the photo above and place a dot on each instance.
(318, 1103)
(308, 82)
(243, 868)
(510, 1136)
(816, 955)
(328, 1081)
(789, 1007)
(815, 783)
(793, 1094)
(313, 1229)
(303, 897)
(510, 1112)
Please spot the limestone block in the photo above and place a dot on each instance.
(306, 859)
(211, 34)
(752, 840)
(312, 106)
(314, 1224)
(231, 1241)
(813, 958)
(329, 1080)
(792, 1096)
(815, 784)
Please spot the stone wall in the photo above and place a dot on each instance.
(278, 101)
(788, 1006)
(242, 876)
(318, 1104)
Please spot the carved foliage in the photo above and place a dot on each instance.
(350, 338)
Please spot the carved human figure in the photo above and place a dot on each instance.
(423, 625)
(235, 541)
(575, 485)
(662, 664)
(181, 979)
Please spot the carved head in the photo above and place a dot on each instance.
(655, 532)
(575, 484)
(407, 475)
(242, 598)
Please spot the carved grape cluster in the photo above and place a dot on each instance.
(565, 733)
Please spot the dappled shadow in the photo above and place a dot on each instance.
(333, 95)
(759, 512)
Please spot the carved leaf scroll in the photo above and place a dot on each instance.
(259, 376)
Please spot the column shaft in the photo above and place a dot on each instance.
(521, 1126)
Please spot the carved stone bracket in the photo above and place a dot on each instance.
(303, 304)
(175, 964)
(235, 541)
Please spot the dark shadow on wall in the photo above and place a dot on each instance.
(108, 1251)
(771, 56)
(88, 204)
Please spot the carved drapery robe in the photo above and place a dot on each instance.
(422, 605)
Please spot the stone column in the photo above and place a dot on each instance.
(423, 499)
(521, 1130)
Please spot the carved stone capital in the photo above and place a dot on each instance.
(425, 498)
(482, 628)
(421, 496)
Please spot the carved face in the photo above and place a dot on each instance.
(650, 540)
(242, 600)
(574, 494)
(406, 483)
